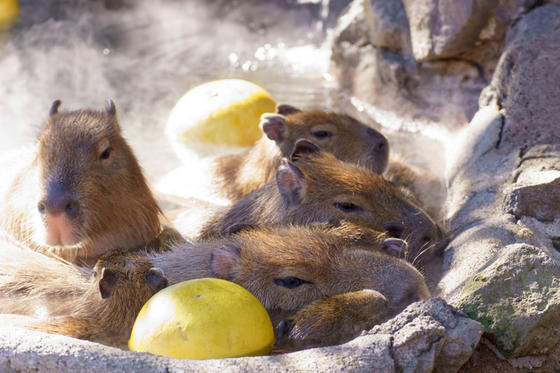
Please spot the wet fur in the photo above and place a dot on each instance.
(325, 181)
(117, 209)
(256, 260)
(108, 321)
(240, 174)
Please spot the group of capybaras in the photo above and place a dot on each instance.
(331, 234)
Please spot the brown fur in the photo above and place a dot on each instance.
(265, 262)
(333, 320)
(312, 189)
(351, 141)
(114, 206)
(26, 282)
(130, 281)
(422, 185)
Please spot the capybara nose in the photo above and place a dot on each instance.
(59, 201)
(426, 242)
(379, 148)
(67, 206)
(379, 142)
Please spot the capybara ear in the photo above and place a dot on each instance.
(274, 126)
(54, 107)
(107, 282)
(303, 148)
(155, 278)
(286, 109)
(110, 108)
(291, 183)
(395, 247)
(225, 262)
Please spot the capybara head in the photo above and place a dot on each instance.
(317, 187)
(128, 276)
(92, 191)
(339, 134)
(289, 267)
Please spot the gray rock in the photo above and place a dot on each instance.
(526, 79)
(517, 299)
(492, 270)
(376, 68)
(427, 335)
(441, 29)
(427, 64)
(539, 199)
(502, 266)
(387, 24)
(431, 335)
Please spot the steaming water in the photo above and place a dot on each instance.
(146, 54)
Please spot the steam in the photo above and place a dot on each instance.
(145, 56)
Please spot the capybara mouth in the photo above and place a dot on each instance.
(60, 231)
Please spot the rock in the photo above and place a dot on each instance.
(431, 336)
(387, 24)
(538, 198)
(377, 68)
(444, 29)
(526, 79)
(427, 335)
(441, 29)
(424, 61)
(517, 299)
(502, 266)
(492, 269)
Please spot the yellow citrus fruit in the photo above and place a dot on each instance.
(222, 113)
(203, 319)
(9, 11)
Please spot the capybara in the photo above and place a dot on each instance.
(339, 134)
(84, 192)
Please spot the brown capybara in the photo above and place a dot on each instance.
(122, 283)
(315, 186)
(339, 134)
(84, 192)
(421, 185)
(291, 270)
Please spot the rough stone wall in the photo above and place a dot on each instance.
(491, 70)
(427, 336)
(424, 60)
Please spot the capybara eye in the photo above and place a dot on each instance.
(321, 134)
(347, 207)
(291, 282)
(394, 229)
(106, 153)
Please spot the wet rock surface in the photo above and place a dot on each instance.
(426, 336)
